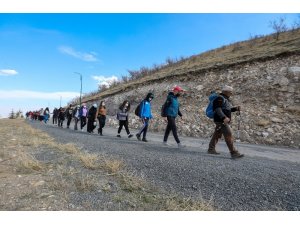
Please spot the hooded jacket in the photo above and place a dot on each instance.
(173, 105)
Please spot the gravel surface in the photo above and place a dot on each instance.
(267, 178)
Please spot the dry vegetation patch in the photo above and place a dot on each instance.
(68, 180)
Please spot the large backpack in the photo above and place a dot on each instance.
(163, 111)
(137, 110)
(209, 109)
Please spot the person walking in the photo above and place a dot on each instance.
(145, 115)
(223, 108)
(69, 115)
(92, 118)
(46, 115)
(172, 111)
(101, 116)
(76, 116)
(61, 117)
(55, 115)
(122, 116)
(82, 115)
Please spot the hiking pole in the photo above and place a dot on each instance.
(239, 125)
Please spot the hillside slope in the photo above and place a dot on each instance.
(265, 73)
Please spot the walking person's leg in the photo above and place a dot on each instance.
(228, 136)
(174, 129)
(127, 129)
(168, 129)
(121, 124)
(146, 124)
(214, 139)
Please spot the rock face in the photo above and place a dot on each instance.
(268, 92)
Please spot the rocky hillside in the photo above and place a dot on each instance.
(264, 74)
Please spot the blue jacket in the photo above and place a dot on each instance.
(146, 110)
(173, 105)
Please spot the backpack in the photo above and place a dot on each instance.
(163, 111)
(137, 111)
(209, 109)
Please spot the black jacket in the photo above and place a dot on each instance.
(222, 107)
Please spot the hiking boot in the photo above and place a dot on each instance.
(236, 155)
(213, 152)
(138, 136)
(118, 135)
(130, 136)
(181, 145)
(144, 140)
(166, 143)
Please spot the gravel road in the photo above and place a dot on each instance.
(267, 178)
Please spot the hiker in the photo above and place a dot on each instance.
(101, 116)
(82, 115)
(41, 115)
(69, 115)
(46, 115)
(145, 115)
(55, 115)
(92, 118)
(222, 107)
(172, 111)
(122, 116)
(76, 116)
(61, 117)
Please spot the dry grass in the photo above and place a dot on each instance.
(27, 163)
(113, 166)
(85, 183)
(89, 161)
(19, 139)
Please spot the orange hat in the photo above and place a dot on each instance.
(177, 88)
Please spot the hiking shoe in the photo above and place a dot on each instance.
(118, 135)
(213, 152)
(181, 145)
(236, 155)
(144, 140)
(130, 136)
(166, 143)
(138, 136)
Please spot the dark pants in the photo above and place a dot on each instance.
(60, 122)
(54, 120)
(90, 125)
(101, 120)
(125, 124)
(220, 129)
(69, 121)
(76, 119)
(171, 126)
(144, 128)
(82, 122)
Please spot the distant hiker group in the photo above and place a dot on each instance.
(219, 109)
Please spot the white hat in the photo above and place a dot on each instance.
(227, 88)
(95, 105)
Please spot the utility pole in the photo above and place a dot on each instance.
(60, 102)
(80, 87)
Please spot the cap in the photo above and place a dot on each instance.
(177, 88)
(227, 88)
(95, 105)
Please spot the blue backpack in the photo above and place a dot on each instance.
(209, 110)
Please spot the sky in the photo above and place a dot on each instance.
(42, 55)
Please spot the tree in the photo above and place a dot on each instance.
(12, 115)
(278, 26)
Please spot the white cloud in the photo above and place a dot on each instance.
(8, 72)
(107, 81)
(23, 94)
(89, 57)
